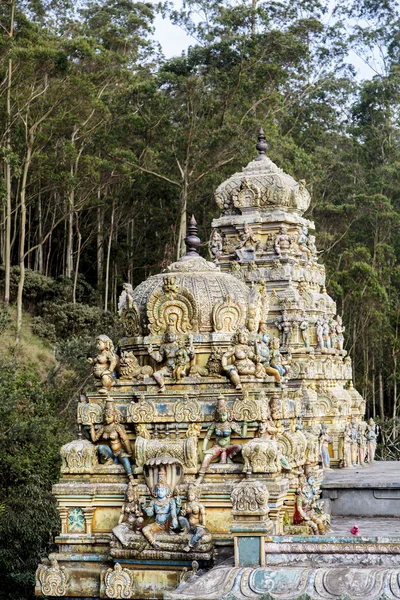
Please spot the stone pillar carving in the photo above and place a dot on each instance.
(250, 512)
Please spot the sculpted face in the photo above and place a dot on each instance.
(191, 495)
(171, 337)
(242, 338)
(109, 417)
(161, 492)
(101, 345)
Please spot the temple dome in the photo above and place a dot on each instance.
(262, 185)
(192, 296)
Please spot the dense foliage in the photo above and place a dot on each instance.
(105, 146)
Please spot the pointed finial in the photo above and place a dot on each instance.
(261, 145)
(192, 240)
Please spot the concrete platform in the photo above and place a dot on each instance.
(369, 491)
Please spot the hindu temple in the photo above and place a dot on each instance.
(216, 422)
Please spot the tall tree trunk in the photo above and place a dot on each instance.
(100, 250)
(381, 405)
(253, 17)
(373, 386)
(8, 211)
(40, 234)
(78, 256)
(69, 259)
(110, 237)
(22, 233)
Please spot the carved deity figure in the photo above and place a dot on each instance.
(118, 447)
(262, 349)
(362, 443)
(276, 361)
(354, 442)
(326, 332)
(302, 242)
(126, 300)
(371, 434)
(283, 242)
(193, 517)
(307, 509)
(175, 355)
(285, 326)
(303, 326)
(339, 331)
(215, 244)
(247, 246)
(244, 359)
(222, 428)
(131, 513)
(324, 441)
(105, 363)
(163, 507)
(320, 334)
(312, 247)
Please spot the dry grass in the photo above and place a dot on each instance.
(30, 350)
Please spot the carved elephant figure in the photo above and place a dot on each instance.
(261, 455)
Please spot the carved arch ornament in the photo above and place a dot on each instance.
(131, 321)
(172, 307)
(119, 583)
(228, 315)
(53, 579)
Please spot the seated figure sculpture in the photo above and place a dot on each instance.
(262, 346)
(119, 448)
(263, 454)
(244, 359)
(104, 363)
(163, 507)
(222, 428)
(175, 355)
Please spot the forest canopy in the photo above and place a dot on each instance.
(106, 146)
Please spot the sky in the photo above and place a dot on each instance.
(174, 40)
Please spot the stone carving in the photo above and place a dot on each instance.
(172, 306)
(228, 316)
(157, 539)
(221, 428)
(338, 329)
(105, 363)
(193, 518)
(307, 508)
(304, 330)
(244, 359)
(245, 409)
(184, 450)
(285, 325)
(119, 583)
(129, 368)
(250, 498)
(187, 410)
(213, 367)
(246, 194)
(52, 579)
(262, 350)
(276, 360)
(371, 434)
(89, 412)
(215, 244)
(129, 311)
(78, 456)
(131, 516)
(119, 448)
(262, 454)
(324, 441)
(143, 411)
(302, 242)
(248, 245)
(283, 242)
(362, 443)
(176, 356)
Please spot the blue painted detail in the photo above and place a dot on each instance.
(176, 563)
(249, 551)
(76, 520)
(162, 408)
